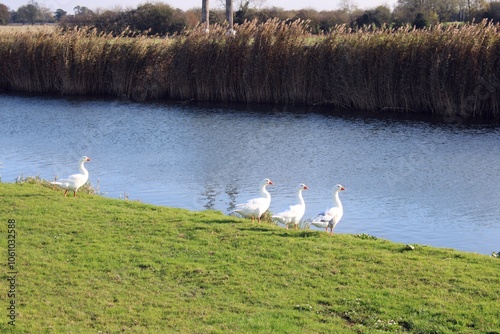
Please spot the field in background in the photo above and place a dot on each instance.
(446, 71)
(27, 28)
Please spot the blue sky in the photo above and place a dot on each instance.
(68, 5)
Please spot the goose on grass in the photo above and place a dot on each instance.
(294, 213)
(254, 208)
(75, 181)
(331, 217)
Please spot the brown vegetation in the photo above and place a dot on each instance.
(443, 71)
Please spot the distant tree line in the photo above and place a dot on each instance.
(162, 19)
(30, 13)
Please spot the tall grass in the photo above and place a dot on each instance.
(444, 71)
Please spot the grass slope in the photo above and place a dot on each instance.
(92, 264)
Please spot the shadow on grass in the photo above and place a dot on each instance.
(225, 221)
(256, 228)
(196, 228)
(219, 221)
(215, 217)
(27, 195)
(301, 234)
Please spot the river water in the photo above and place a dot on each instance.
(409, 181)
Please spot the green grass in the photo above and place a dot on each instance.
(92, 264)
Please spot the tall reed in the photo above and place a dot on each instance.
(444, 71)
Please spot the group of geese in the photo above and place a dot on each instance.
(253, 208)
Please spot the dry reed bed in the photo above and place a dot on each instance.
(443, 71)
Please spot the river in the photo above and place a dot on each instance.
(409, 181)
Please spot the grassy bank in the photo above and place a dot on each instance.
(92, 264)
(441, 71)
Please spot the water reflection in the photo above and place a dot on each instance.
(211, 196)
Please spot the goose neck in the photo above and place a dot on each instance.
(299, 196)
(264, 192)
(336, 199)
(83, 170)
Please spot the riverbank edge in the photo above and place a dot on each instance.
(216, 268)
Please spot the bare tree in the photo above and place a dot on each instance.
(241, 3)
(229, 14)
(205, 10)
(476, 6)
(348, 6)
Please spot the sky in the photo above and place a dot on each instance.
(68, 5)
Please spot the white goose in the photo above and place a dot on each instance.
(295, 212)
(254, 208)
(332, 216)
(75, 181)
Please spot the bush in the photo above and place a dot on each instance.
(4, 14)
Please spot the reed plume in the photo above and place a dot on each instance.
(441, 70)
